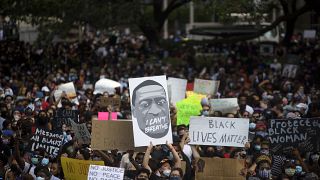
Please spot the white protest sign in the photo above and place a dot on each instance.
(219, 131)
(290, 70)
(224, 105)
(309, 34)
(208, 87)
(97, 172)
(70, 90)
(81, 132)
(177, 88)
(150, 110)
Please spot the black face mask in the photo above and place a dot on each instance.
(210, 153)
(4, 114)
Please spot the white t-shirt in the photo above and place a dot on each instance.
(31, 171)
(187, 151)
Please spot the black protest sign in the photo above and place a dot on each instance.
(114, 102)
(286, 134)
(64, 116)
(50, 141)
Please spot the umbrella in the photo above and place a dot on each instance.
(105, 85)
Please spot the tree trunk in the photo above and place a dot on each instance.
(151, 33)
(290, 24)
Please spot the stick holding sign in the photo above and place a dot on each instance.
(219, 131)
(150, 110)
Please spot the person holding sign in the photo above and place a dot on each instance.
(164, 167)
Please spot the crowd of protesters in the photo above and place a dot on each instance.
(30, 74)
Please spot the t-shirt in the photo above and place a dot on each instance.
(187, 151)
(31, 171)
(125, 163)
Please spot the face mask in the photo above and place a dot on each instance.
(257, 147)
(262, 133)
(17, 117)
(166, 172)
(174, 133)
(264, 173)
(298, 169)
(40, 178)
(265, 151)
(210, 154)
(44, 161)
(5, 141)
(35, 161)
(205, 113)
(174, 178)
(252, 126)
(290, 172)
(315, 157)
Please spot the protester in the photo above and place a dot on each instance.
(29, 99)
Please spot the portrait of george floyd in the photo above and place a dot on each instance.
(150, 110)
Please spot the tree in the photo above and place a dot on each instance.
(290, 8)
(148, 15)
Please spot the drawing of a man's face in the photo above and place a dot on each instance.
(151, 109)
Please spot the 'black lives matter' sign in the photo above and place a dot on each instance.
(50, 141)
(216, 131)
(64, 116)
(286, 134)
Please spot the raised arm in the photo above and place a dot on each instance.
(146, 157)
(177, 160)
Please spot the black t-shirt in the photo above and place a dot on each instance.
(155, 177)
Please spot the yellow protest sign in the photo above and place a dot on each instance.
(188, 107)
(75, 169)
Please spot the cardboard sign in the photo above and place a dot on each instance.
(309, 34)
(150, 110)
(219, 131)
(109, 135)
(81, 132)
(75, 169)
(225, 105)
(286, 134)
(220, 169)
(208, 87)
(290, 70)
(177, 88)
(64, 116)
(104, 116)
(50, 141)
(189, 107)
(104, 172)
(113, 102)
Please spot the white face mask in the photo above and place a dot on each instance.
(40, 178)
(166, 172)
(17, 117)
(315, 157)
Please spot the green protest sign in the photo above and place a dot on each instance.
(187, 108)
